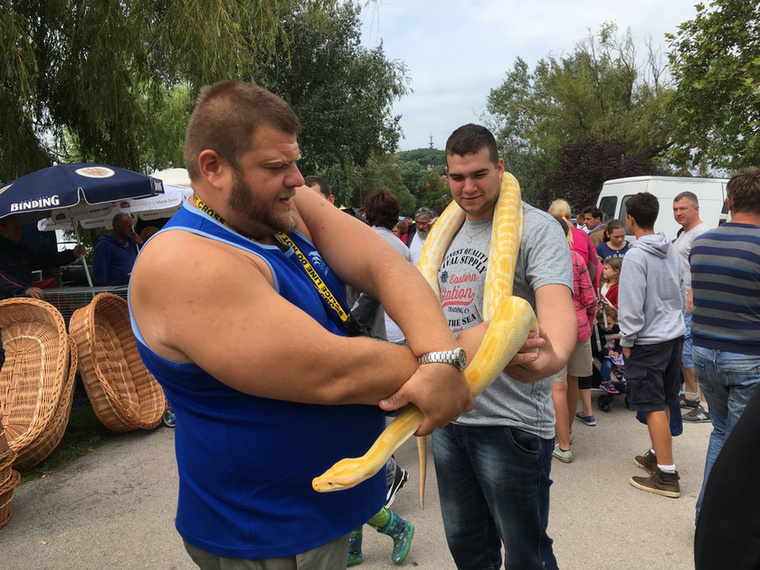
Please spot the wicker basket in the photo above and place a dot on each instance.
(5, 451)
(36, 369)
(123, 394)
(6, 498)
(6, 468)
(52, 436)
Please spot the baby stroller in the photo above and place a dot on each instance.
(600, 338)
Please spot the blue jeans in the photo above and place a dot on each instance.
(606, 370)
(728, 380)
(493, 484)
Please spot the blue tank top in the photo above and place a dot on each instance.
(246, 463)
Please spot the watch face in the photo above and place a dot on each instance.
(461, 358)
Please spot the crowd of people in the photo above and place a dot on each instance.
(287, 330)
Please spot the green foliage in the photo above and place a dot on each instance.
(382, 171)
(436, 193)
(584, 166)
(716, 60)
(424, 157)
(341, 92)
(429, 187)
(93, 80)
(598, 92)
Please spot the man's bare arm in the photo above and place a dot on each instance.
(219, 309)
(367, 262)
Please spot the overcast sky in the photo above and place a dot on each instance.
(456, 51)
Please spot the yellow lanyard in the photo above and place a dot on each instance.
(321, 286)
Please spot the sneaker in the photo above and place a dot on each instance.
(400, 478)
(697, 415)
(660, 483)
(686, 403)
(588, 420)
(648, 461)
(563, 456)
(609, 387)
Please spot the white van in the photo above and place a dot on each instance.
(711, 193)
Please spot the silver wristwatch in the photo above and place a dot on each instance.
(457, 357)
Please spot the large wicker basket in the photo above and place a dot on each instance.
(36, 373)
(52, 436)
(123, 394)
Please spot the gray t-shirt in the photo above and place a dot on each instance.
(683, 244)
(544, 259)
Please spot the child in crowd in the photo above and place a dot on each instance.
(606, 318)
(611, 279)
(614, 244)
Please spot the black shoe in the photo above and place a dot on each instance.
(686, 403)
(400, 478)
(697, 415)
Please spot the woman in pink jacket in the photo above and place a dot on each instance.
(579, 242)
(565, 391)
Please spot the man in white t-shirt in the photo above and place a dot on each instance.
(686, 213)
(422, 222)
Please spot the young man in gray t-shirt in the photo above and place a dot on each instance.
(493, 463)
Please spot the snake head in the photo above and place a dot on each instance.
(345, 474)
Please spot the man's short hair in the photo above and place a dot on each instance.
(426, 213)
(469, 139)
(226, 117)
(643, 208)
(691, 196)
(744, 191)
(593, 210)
(381, 209)
(324, 185)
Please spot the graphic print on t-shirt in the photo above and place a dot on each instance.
(462, 280)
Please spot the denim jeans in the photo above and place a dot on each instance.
(606, 370)
(493, 484)
(728, 380)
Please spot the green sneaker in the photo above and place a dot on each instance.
(563, 456)
(401, 532)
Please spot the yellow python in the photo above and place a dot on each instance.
(512, 319)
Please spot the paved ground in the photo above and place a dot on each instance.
(114, 508)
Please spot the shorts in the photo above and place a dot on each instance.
(330, 555)
(579, 364)
(653, 372)
(686, 359)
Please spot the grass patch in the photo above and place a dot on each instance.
(83, 432)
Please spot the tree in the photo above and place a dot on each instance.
(598, 92)
(584, 166)
(382, 171)
(716, 62)
(89, 79)
(341, 92)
